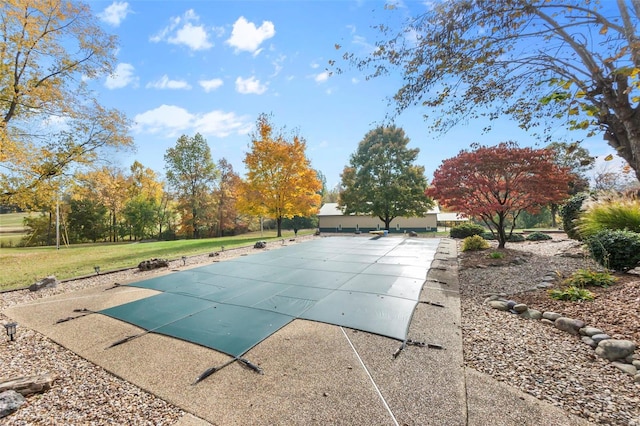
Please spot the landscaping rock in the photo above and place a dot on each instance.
(520, 308)
(614, 349)
(500, 305)
(511, 304)
(627, 368)
(551, 316)
(569, 325)
(636, 364)
(590, 331)
(260, 245)
(546, 321)
(636, 378)
(490, 298)
(48, 282)
(589, 341)
(600, 337)
(10, 401)
(147, 265)
(531, 314)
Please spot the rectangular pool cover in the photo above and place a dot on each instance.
(366, 284)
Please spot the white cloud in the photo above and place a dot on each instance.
(210, 85)
(250, 85)
(165, 83)
(115, 13)
(121, 77)
(221, 124)
(185, 30)
(193, 36)
(171, 121)
(277, 65)
(168, 119)
(322, 77)
(245, 36)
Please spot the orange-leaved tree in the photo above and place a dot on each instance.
(497, 183)
(280, 181)
(50, 120)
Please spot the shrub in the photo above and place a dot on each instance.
(609, 214)
(466, 230)
(570, 212)
(515, 238)
(496, 255)
(586, 277)
(571, 293)
(537, 236)
(474, 242)
(488, 235)
(615, 249)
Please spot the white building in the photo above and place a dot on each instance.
(332, 219)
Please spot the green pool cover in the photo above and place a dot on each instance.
(371, 285)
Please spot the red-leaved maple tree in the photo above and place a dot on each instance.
(498, 183)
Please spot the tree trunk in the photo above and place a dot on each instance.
(623, 132)
(49, 228)
(279, 221)
(502, 237)
(554, 213)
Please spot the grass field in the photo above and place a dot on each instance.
(11, 229)
(21, 267)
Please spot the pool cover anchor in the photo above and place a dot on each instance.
(427, 302)
(243, 361)
(411, 342)
(84, 314)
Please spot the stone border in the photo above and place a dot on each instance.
(619, 352)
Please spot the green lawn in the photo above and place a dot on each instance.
(12, 229)
(20, 267)
(12, 220)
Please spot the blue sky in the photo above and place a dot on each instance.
(213, 66)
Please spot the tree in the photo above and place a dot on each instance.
(535, 60)
(497, 183)
(578, 160)
(87, 220)
(50, 120)
(612, 178)
(280, 181)
(226, 195)
(381, 179)
(191, 173)
(108, 186)
(143, 206)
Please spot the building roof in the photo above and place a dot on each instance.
(451, 217)
(331, 209)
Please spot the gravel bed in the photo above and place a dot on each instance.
(538, 359)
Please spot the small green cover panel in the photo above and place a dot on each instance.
(369, 284)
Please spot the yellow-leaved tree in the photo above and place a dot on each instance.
(279, 181)
(50, 121)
